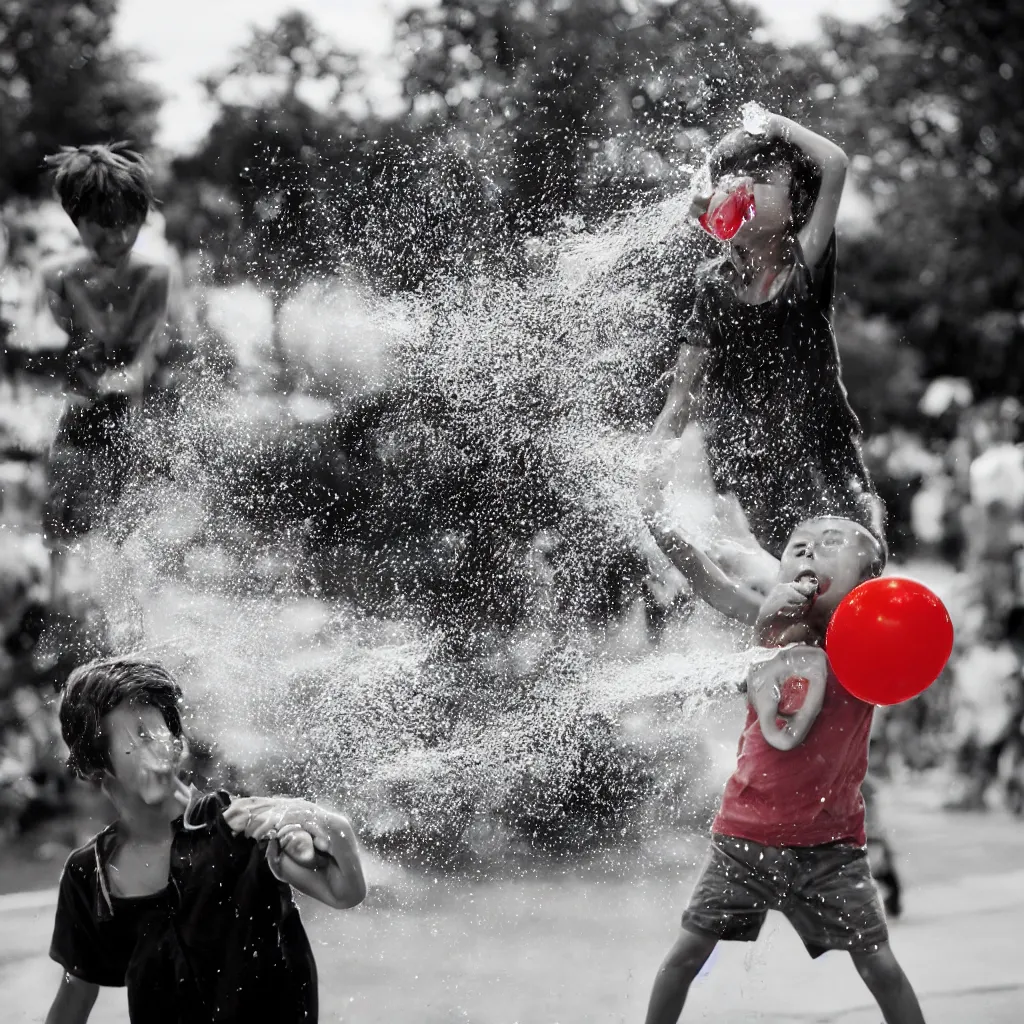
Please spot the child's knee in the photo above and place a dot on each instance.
(879, 970)
(690, 952)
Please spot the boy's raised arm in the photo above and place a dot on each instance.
(710, 584)
(74, 1001)
(330, 872)
(832, 161)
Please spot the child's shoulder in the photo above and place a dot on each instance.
(146, 267)
(55, 268)
(148, 264)
(81, 865)
(149, 271)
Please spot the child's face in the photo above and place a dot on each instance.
(110, 246)
(144, 754)
(834, 552)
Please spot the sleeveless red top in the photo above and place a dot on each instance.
(807, 796)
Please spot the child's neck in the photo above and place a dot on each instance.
(766, 259)
(143, 822)
(108, 273)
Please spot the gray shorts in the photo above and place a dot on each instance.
(826, 892)
(89, 464)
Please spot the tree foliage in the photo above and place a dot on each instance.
(63, 81)
(577, 107)
(272, 152)
(930, 106)
(518, 115)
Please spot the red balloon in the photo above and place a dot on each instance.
(888, 640)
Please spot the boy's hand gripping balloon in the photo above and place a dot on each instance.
(725, 219)
(888, 640)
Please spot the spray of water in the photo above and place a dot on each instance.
(501, 447)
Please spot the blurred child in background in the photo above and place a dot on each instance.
(987, 702)
(111, 302)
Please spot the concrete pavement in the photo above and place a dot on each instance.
(579, 948)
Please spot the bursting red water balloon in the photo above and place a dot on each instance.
(888, 640)
(729, 215)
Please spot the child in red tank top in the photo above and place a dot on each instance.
(789, 834)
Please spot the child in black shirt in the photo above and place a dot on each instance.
(758, 369)
(187, 898)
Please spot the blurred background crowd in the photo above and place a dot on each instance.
(519, 121)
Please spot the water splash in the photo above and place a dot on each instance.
(486, 431)
(754, 118)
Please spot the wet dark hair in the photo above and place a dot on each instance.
(106, 184)
(740, 153)
(94, 690)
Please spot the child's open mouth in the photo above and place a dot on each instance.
(810, 581)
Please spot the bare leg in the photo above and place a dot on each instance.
(889, 985)
(676, 975)
(883, 871)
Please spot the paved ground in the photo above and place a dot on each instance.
(582, 946)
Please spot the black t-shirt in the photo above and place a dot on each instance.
(223, 942)
(777, 425)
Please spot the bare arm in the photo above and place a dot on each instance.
(51, 299)
(814, 236)
(74, 1001)
(675, 414)
(730, 597)
(328, 869)
(671, 422)
(54, 312)
(334, 875)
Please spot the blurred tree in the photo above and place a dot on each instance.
(271, 157)
(575, 107)
(63, 81)
(932, 113)
(516, 116)
(422, 209)
(288, 185)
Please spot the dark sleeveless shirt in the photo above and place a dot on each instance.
(778, 428)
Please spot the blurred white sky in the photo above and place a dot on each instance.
(188, 38)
